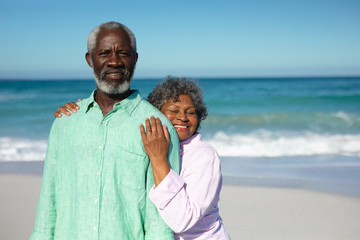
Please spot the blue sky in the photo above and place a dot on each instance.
(258, 38)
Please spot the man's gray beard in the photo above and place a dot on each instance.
(110, 89)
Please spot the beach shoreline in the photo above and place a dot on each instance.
(248, 212)
(329, 174)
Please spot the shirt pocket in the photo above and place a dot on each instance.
(130, 169)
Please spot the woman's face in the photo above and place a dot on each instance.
(182, 115)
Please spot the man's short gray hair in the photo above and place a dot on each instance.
(91, 44)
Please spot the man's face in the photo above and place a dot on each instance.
(113, 61)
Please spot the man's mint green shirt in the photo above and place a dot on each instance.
(97, 175)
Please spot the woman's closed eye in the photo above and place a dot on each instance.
(172, 111)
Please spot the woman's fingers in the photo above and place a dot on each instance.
(57, 115)
(60, 110)
(154, 127)
(142, 133)
(72, 107)
(64, 110)
(148, 126)
(166, 133)
(159, 127)
(153, 124)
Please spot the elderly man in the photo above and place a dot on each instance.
(97, 176)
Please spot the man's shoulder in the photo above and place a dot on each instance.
(74, 117)
(145, 110)
(145, 105)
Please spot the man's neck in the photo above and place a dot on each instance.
(106, 101)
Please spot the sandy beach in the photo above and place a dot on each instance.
(248, 212)
(289, 214)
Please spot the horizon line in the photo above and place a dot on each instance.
(202, 77)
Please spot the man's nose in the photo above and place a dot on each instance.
(115, 60)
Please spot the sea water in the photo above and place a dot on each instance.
(268, 130)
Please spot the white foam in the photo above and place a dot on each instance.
(348, 119)
(263, 143)
(6, 97)
(19, 149)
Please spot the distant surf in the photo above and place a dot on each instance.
(297, 132)
(261, 143)
(268, 117)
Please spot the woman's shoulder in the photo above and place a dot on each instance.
(199, 147)
(198, 142)
(201, 156)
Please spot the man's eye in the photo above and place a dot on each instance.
(125, 54)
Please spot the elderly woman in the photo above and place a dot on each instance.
(188, 202)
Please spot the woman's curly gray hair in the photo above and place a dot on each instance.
(172, 88)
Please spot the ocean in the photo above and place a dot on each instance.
(285, 132)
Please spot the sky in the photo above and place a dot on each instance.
(191, 38)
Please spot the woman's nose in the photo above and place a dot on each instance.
(182, 116)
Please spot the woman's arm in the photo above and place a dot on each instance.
(183, 201)
(156, 142)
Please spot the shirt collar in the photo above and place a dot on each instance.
(186, 144)
(128, 104)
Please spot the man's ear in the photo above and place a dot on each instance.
(88, 59)
(136, 57)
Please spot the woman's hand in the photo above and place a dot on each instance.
(73, 107)
(156, 142)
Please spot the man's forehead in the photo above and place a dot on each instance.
(106, 34)
(115, 30)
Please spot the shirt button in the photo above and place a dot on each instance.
(94, 227)
(103, 122)
(95, 201)
(98, 173)
(100, 147)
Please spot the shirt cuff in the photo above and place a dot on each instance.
(166, 190)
